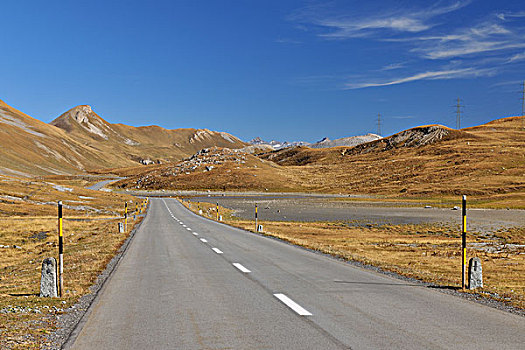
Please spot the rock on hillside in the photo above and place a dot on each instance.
(415, 137)
(345, 141)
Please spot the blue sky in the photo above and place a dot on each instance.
(286, 70)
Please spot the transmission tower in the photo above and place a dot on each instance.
(458, 113)
(379, 124)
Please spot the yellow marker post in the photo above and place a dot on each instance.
(464, 243)
(60, 250)
(256, 218)
(126, 216)
(217, 211)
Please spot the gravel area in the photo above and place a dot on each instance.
(310, 209)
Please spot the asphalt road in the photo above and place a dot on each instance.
(99, 185)
(173, 290)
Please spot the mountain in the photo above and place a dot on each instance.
(145, 144)
(80, 140)
(345, 141)
(324, 143)
(276, 145)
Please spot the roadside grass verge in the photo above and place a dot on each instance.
(28, 235)
(430, 253)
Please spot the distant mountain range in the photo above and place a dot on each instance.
(324, 143)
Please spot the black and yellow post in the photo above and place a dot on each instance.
(136, 207)
(217, 211)
(464, 242)
(126, 217)
(60, 251)
(256, 218)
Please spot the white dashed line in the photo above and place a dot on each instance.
(242, 268)
(292, 305)
(187, 228)
(195, 233)
(217, 250)
(204, 240)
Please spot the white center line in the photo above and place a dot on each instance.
(217, 250)
(204, 240)
(195, 233)
(292, 305)
(242, 268)
(187, 228)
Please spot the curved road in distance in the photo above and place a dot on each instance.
(190, 283)
(100, 185)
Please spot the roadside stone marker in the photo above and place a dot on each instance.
(475, 276)
(48, 281)
(120, 227)
(259, 228)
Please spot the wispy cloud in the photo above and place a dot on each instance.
(287, 41)
(403, 117)
(470, 41)
(510, 15)
(342, 27)
(517, 57)
(478, 47)
(430, 75)
(393, 66)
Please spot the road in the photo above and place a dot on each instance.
(100, 185)
(189, 283)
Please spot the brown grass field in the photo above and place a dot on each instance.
(430, 253)
(28, 221)
(487, 163)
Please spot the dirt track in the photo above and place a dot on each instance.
(301, 208)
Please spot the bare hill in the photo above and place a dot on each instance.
(141, 144)
(487, 162)
(80, 140)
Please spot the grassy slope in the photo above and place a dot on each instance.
(485, 162)
(31, 147)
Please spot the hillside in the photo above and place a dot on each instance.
(31, 147)
(214, 169)
(81, 141)
(487, 161)
(345, 141)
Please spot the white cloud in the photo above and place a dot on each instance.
(400, 20)
(517, 57)
(393, 66)
(431, 75)
(470, 41)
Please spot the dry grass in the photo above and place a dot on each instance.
(487, 163)
(28, 221)
(430, 253)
